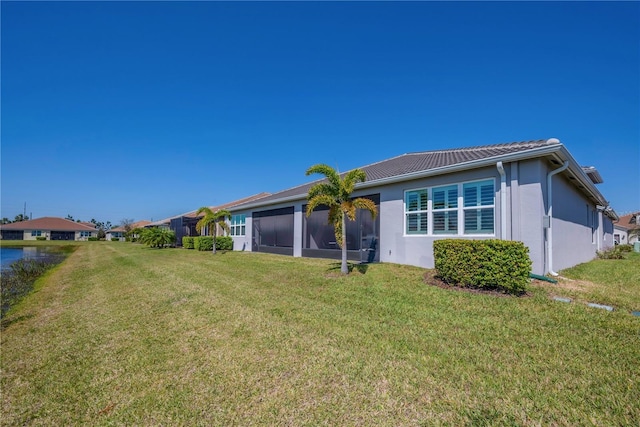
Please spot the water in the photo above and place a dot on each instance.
(9, 255)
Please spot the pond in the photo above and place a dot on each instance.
(9, 255)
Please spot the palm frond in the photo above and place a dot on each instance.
(323, 188)
(330, 173)
(319, 200)
(367, 204)
(352, 178)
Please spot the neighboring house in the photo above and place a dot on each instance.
(534, 192)
(50, 228)
(119, 232)
(185, 224)
(624, 226)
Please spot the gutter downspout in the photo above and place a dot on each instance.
(503, 201)
(550, 217)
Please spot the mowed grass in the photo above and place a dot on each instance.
(124, 335)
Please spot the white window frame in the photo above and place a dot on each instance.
(36, 233)
(238, 225)
(460, 209)
(419, 212)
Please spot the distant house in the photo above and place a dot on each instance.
(50, 228)
(534, 192)
(623, 226)
(185, 224)
(119, 232)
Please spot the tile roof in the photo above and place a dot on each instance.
(426, 160)
(48, 223)
(629, 221)
(192, 214)
(137, 224)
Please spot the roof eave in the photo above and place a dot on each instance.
(487, 161)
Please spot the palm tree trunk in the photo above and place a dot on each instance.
(214, 238)
(343, 268)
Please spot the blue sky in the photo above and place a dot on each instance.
(145, 110)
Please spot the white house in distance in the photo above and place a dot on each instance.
(623, 226)
(533, 191)
(119, 232)
(51, 228)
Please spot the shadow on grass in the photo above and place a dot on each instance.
(8, 321)
(360, 268)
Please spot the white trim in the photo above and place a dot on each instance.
(459, 209)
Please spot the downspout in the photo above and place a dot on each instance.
(503, 201)
(550, 217)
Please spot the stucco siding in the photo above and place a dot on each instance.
(576, 226)
(398, 247)
(531, 175)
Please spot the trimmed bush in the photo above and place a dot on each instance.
(93, 239)
(187, 242)
(486, 264)
(611, 253)
(224, 243)
(41, 238)
(203, 243)
(115, 239)
(625, 247)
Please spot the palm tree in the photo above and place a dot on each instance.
(336, 194)
(157, 237)
(212, 220)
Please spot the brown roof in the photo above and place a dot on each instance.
(48, 223)
(137, 224)
(629, 221)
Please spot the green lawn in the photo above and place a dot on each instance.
(124, 335)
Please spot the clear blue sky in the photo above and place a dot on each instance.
(142, 110)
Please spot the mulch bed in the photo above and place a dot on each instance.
(431, 278)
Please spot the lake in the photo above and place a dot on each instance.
(9, 255)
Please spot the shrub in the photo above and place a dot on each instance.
(487, 264)
(224, 243)
(187, 242)
(157, 237)
(625, 248)
(41, 238)
(93, 239)
(115, 239)
(203, 243)
(611, 253)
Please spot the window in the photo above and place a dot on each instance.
(36, 233)
(445, 210)
(238, 227)
(478, 207)
(416, 211)
(85, 234)
(465, 208)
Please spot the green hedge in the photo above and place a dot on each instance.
(205, 243)
(41, 238)
(487, 264)
(115, 239)
(93, 239)
(224, 243)
(187, 242)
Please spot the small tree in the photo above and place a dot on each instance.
(336, 194)
(212, 220)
